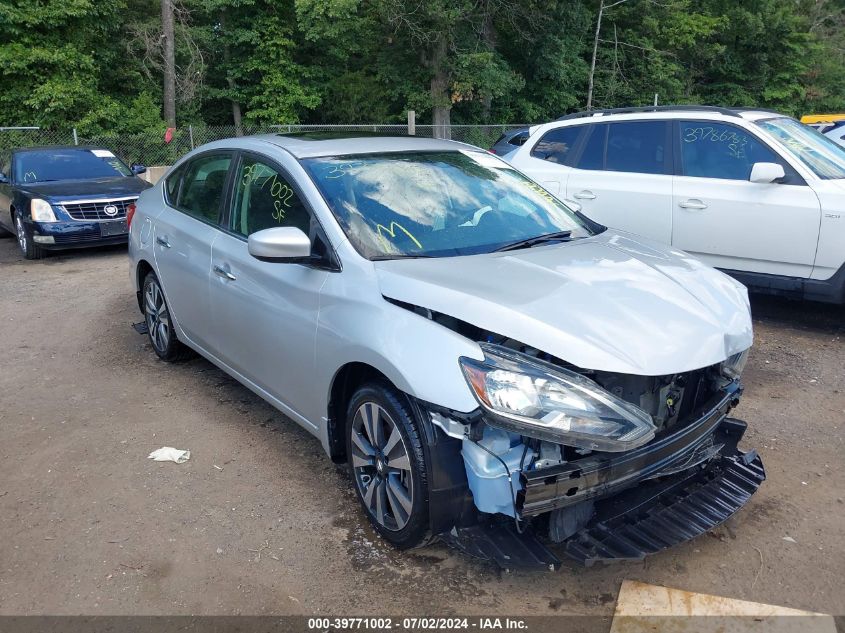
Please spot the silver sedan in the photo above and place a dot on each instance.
(478, 352)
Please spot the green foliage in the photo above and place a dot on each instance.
(81, 63)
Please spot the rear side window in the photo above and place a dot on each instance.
(556, 146)
(592, 156)
(717, 150)
(203, 184)
(637, 147)
(518, 139)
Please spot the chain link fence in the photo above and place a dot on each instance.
(151, 149)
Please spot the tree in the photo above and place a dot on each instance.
(68, 63)
(455, 45)
(168, 62)
(169, 54)
(49, 71)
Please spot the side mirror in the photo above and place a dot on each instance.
(3, 178)
(280, 244)
(765, 173)
(138, 169)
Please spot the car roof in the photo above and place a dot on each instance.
(314, 144)
(707, 113)
(672, 112)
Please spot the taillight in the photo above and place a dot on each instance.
(130, 212)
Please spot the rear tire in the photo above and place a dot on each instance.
(385, 454)
(160, 324)
(29, 249)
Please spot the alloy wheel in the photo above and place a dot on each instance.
(382, 466)
(156, 316)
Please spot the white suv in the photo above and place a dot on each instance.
(754, 193)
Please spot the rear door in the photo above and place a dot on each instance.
(622, 177)
(182, 239)
(730, 222)
(265, 313)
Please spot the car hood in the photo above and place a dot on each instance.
(83, 189)
(611, 302)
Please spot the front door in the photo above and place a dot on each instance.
(732, 223)
(182, 239)
(265, 313)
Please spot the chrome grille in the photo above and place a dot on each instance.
(96, 209)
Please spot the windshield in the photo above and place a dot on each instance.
(67, 164)
(437, 204)
(824, 157)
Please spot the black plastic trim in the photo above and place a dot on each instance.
(659, 108)
(500, 543)
(831, 290)
(450, 502)
(661, 514)
(605, 474)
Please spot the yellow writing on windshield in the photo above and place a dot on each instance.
(391, 231)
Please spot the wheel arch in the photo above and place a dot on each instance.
(345, 383)
(141, 270)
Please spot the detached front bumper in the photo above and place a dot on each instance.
(657, 515)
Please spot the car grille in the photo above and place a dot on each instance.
(78, 239)
(96, 209)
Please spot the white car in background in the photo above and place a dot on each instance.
(752, 192)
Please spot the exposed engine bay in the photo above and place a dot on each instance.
(561, 489)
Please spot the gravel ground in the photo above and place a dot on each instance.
(260, 522)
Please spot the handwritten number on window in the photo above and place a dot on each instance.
(736, 143)
(279, 190)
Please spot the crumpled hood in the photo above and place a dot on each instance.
(611, 302)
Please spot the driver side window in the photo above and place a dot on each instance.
(716, 150)
(265, 199)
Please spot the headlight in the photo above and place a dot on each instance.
(540, 400)
(41, 211)
(732, 368)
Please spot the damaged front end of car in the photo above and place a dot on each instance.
(612, 466)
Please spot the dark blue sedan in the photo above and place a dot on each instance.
(66, 197)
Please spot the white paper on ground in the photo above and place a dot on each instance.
(170, 454)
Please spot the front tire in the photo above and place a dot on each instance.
(29, 249)
(385, 454)
(160, 324)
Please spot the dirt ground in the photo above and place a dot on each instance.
(260, 522)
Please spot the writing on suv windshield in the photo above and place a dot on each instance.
(68, 164)
(438, 204)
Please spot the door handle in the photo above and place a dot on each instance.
(693, 203)
(224, 272)
(162, 241)
(585, 195)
